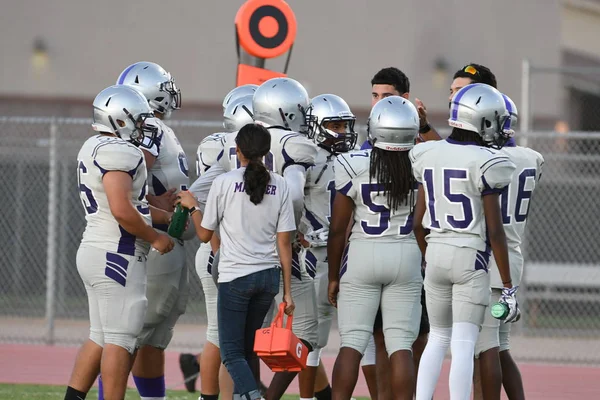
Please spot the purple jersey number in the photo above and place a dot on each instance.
(382, 211)
(267, 160)
(456, 198)
(85, 193)
(522, 194)
(331, 191)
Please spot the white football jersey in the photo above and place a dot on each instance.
(372, 216)
(170, 170)
(287, 148)
(208, 151)
(99, 155)
(455, 175)
(516, 197)
(319, 192)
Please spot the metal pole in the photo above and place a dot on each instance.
(62, 240)
(52, 237)
(19, 228)
(525, 125)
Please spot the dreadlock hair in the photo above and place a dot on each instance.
(393, 172)
(461, 135)
(254, 142)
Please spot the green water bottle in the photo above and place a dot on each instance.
(500, 311)
(178, 221)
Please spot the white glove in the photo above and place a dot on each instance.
(317, 238)
(509, 297)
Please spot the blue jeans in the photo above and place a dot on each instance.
(241, 307)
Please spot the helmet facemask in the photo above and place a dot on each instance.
(171, 100)
(134, 130)
(335, 142)
(496, 133)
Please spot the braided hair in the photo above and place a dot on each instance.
(393, 171)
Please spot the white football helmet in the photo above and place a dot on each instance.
(238, 113)
(237, 92)
(122, 110)
(281, 102)
(327, 108)
(155, 83)
(393, 124)
(480, 108)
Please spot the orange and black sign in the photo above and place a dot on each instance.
(266, 28)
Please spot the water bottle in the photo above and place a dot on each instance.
(500, 311)
(178, 221)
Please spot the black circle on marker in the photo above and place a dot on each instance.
(259, 38)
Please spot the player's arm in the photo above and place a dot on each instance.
(426, 131)
(295, 178)
(160, 216)
(496, 235)
(118, 186)
(341, 214)
(418, 228)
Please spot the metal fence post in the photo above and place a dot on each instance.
(51, 255)
(525, 114)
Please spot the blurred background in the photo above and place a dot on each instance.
(57, 55)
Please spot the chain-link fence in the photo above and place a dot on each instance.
(42, 299)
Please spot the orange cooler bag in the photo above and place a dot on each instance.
(278, 347)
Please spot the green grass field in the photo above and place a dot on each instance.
(27, 392)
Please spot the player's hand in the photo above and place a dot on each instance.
(509, 297)
(422, 110)
(302, 241)
(332, 292)
(289, 304)
(163, 243)
(165, 201)
(186, 199)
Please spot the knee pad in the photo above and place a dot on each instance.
(357, 340)
(124, 340)
(314, 357)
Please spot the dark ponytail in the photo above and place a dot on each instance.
(254, 142)
(393, 171)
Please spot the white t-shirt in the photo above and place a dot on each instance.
(248, 231)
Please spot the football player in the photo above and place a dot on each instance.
(460, 181)
(393, 82)
(331, 125)
(380, 266)
(515, 201)
(111, 259)
(167, 286)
